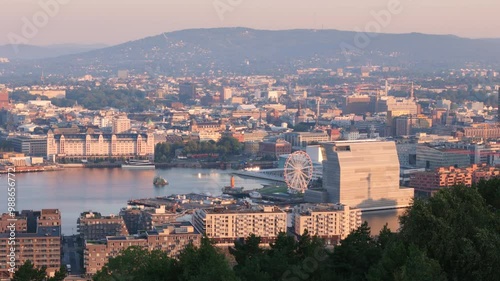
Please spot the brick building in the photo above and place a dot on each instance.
(42, 245)
(280, 147)
(171, 238)
(94, 226)
(427, 183)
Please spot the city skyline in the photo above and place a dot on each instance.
(75, 22)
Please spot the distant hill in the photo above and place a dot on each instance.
(26, 52)
(244, 51)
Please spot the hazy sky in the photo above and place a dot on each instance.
(117, 21)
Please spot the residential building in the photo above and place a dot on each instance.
(330, 222)
(171, 238)
(429, 182)
(121, 124)
(224, 226)
(42, 246)
(364, 174)
(154, 217)
(93, 226)
(21, 223)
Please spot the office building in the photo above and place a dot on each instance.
(227, 94)
(358, 104)
(436, 156)
(30, 145)
(302, 139)
(330, 222)
(187, 89)
(171, 238)
(197, 127)
(275, 149)
(4, 99)
(364, 174)
(42, 245)
(94, 226)
(389, 103)
(224, 226)
(483, 131)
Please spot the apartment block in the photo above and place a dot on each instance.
(121, 124)
(94, 226)
(330, 222)
(140, 218)
(427, 183)
(42, 246)
(20, 222)
(171, 238)
(224, 226)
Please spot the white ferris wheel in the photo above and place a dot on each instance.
(298, 171)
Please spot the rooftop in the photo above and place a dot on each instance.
(42, 231)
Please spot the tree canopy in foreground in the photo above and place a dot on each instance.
(454, 236)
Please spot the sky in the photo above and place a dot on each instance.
(116, 21)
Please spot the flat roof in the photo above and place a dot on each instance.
(42, 231)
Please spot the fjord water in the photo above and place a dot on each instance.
(73, 191)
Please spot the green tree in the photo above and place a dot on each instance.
(490, 191)
(205, 263)
(459, 230)
(137, 264)
(352, 259)
(59, 275)
(402, 263)
(229, 145)
(249, 256)
(28, 272)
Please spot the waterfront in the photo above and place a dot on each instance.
(73, 191)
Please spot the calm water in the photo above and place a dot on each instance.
(107, 190)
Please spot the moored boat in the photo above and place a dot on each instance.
(138, 164)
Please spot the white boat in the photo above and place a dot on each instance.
(255, 195)
(138, 164)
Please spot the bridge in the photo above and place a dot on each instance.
(267, 174)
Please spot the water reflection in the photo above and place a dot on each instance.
(377, 219)
(108, 190)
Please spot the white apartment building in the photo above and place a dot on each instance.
(330, 222)
(224, 226)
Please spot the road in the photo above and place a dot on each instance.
(72, 257)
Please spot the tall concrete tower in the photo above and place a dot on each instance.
(364, 174)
